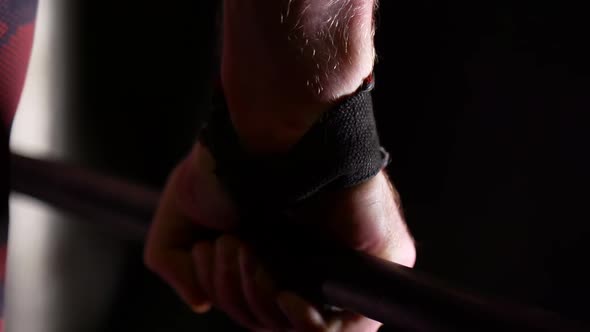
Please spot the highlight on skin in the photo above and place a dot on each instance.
(306, 55)
(330, 36)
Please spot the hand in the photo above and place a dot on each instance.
(224, 273)
(284, 63)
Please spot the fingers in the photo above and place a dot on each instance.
(228, 273)
(227, 282)
(218, 272)
(192, 202)
(203, 260)
(165, 252)
(175, 266)
(260, 292)
(233, 279)
(304, 317)
(176, 269)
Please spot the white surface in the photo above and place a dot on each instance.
(61, 271)
(31, 134)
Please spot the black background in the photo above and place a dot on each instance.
(483, 107)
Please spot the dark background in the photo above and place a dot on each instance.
(484, 109)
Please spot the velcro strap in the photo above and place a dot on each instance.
(341, 150)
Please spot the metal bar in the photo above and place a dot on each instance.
(387, 292)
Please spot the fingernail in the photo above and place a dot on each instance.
(202, 308)
(296, 308)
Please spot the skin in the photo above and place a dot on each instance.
(270, 113)
(305, 55)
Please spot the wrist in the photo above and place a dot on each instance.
(274, 126)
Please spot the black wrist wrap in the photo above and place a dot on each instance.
(341, 150)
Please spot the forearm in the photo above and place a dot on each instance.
(287, 61)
